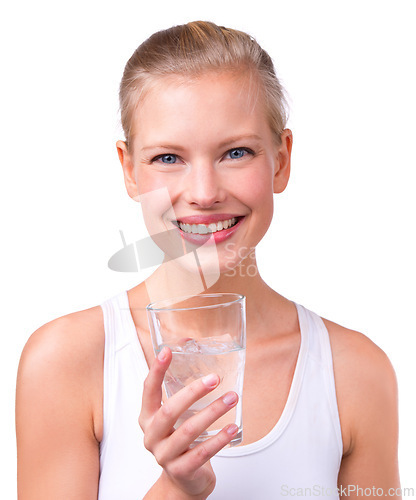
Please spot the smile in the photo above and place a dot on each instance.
(213, 227)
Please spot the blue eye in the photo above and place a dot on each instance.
(237, 153)
(169, 158)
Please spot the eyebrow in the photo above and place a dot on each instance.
(239, 138)
(231, 140)
(165, 146)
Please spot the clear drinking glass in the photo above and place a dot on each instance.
(206, 334)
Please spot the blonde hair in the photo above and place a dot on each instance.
(190, 50)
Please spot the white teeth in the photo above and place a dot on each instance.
(207, 229)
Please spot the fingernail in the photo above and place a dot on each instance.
(163, 354)
(210, 380)
(231, 429)
(230, 398)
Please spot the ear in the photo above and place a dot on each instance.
(127, 163)
(282, 171)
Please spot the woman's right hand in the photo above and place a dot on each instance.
(187, 472)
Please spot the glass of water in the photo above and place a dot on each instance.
(206, 334)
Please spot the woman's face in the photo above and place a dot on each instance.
(204, 163)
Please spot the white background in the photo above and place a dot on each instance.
(343, 238)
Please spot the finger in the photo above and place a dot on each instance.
(176, 405)
(152, 388)
(189, 463)
(194, 426)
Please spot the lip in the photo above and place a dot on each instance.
(210, 238)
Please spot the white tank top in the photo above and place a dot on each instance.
(300, 457)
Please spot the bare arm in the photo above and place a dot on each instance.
(57, 447)
(367, 389)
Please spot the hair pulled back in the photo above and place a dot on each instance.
(190, 50)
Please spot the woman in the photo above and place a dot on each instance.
(206, 147)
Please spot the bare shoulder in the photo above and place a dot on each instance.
(365, 381)
(352, 346)
(69, 339)
(357, 355)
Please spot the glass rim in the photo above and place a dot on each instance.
(157, 306)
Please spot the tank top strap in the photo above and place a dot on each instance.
(318, 338)
(320, 350)
(118, 323)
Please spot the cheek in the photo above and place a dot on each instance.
(156, 195)
(257, 190)
(148, 181)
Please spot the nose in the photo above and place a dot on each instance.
(203, 185)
